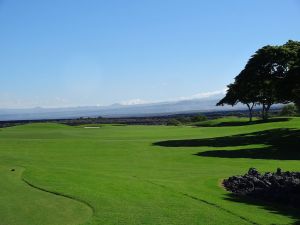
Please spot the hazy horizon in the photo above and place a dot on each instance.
(215, 95)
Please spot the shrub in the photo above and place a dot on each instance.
(173, 122)
(184, 119)
(288, 110)
(199, 118)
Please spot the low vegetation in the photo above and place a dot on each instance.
(186, 120)
(289, 110)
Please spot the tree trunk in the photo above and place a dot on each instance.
(265, 111)
(250, 108)
(298, 106)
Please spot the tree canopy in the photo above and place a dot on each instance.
(265, 79)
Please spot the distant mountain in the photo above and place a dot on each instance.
(116, 110)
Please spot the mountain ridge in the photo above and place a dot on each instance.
(116, 110)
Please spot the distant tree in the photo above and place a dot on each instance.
(198, 118)
(288, 110)
(184, 119)
(173, 122)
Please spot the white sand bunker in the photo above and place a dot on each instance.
(91, 127)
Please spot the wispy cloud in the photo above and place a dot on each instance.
(201, 95)
(205, 94)
(9, 100)
(136, 101)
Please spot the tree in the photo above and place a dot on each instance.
(290, 90)
(260, 82)
(267, 69)
(293, 84)
(288, 110)
(231, 97)
(247, 90)
(242, 91)
(173, 122)
(198, 118)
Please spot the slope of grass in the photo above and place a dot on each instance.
(236, 121)
(129, 175)
(23, 204)
(221, 121)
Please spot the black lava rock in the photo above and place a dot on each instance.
(280, 186)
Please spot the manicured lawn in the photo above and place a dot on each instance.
(140, 174)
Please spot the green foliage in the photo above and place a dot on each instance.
(232, 96)
(184, 119)
(290, 91)
(266, 77)
(173, 122)
(198, 118)
(289, 110)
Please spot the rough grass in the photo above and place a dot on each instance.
(129, 175)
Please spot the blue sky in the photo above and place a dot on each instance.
(75, 53)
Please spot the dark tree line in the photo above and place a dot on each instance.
(271, 76)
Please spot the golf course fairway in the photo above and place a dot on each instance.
(53, 174)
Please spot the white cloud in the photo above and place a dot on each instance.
(205, 95)
(202, 95)
(134, 102)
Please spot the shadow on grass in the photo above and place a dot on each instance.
(279, 144)
(276, 208)
(243, 123)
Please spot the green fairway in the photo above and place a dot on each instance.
(158, 175)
